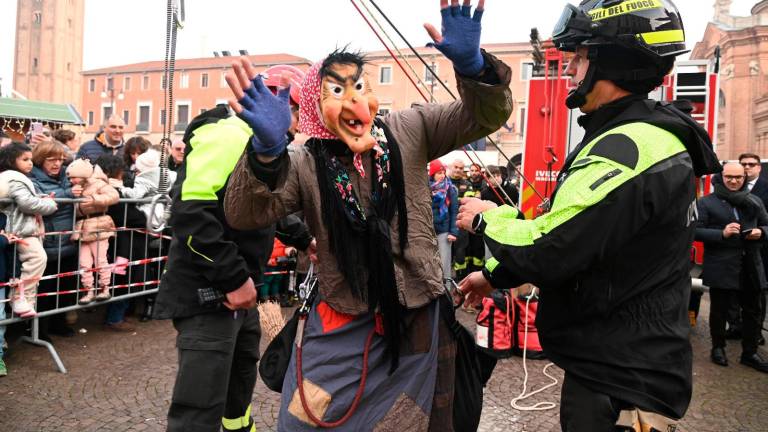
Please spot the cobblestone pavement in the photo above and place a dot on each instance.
(122, 382)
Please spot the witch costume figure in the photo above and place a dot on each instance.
(375, 353)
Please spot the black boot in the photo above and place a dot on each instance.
(755, 362)
(718, 357)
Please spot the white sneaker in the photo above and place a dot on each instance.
(22, 308)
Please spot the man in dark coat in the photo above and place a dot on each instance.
(733, 225)
(109, 141)
(757, 186)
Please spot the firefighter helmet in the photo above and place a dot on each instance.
(630, 42)
(649, 27)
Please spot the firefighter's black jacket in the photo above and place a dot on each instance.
(205, 251)
(612, 256)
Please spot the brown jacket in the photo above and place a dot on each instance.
(93, 222)
(424, 133)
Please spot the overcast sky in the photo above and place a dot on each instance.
(128, 31)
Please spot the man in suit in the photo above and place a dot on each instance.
(733, 225)
(757, 186)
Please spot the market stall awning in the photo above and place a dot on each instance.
(40, 111)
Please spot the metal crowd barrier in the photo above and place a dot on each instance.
(147, 252)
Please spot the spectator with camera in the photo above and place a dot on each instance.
(733, 225)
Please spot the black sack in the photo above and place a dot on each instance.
(468, 386)
(274, 362)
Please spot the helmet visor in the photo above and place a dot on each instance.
(569, 12)
(573, 28)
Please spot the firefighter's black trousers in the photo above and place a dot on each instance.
(585, 410)
(218, 353)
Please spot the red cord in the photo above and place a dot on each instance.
(358, 395)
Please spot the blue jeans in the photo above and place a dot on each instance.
(116, 311)
(2, 317)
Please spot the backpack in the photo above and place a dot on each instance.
(495, 324)
(501, 326)
(523, 320)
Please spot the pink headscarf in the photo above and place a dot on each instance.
(310, 118)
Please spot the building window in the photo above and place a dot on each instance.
(69, 23)
(428, 77)
(184, 80)
(126, 84)
(384, 109)
(91, 85)
(526, 71)
(385, 75)
(162, 81)
(223, 79)
(110, 83)
(162, 117)
(34, 63)
(145, 82)
(522, 121)
(69, 67)
(204, 80)
(126, 117)
(182, 117)
(90, 118)
(105, 113)
(37, 17)
(144, 116)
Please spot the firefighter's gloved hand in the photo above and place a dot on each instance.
(242, 298)
(460, 37)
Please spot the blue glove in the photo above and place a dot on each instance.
(269, 117)
(461, 39)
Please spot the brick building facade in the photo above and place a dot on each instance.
(743, 110)
(136, 92)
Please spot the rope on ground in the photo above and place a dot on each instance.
(539, 406)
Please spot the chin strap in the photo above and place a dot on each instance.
(578, 97)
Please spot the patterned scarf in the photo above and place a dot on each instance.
(440, 196)
(360, 238)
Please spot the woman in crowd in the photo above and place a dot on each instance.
(133, 148)
(70, 141)
(48, 177)
(445, 206)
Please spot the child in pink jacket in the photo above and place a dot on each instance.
(94, 226)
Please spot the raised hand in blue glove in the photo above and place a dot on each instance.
(268, 115)
(460, 36)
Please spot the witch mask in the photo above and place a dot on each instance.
(337, 102)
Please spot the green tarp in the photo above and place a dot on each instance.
(42, 111)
